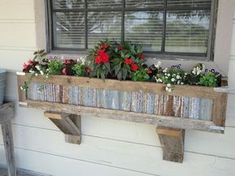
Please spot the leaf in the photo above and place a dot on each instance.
(119, 75)
(102, 76)
(124, 73)
(108, 66)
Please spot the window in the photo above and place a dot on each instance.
(170, 27)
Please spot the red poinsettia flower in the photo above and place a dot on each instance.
(128, 61)
(134, 67)
(102, 57)
(98, 59)
(141, 56)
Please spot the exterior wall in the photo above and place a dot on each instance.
(109, 148)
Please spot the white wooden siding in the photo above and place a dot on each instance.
(109, 148)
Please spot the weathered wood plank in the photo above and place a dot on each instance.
(172, 141)
(9, 147)
(108, 94)
(7, 112)
(219, 109)
(21, 80)
(166, 121)
(130, 86)
(69, 124)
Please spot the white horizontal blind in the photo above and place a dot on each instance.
(69, 30)
(104, 25)
(104, 20)
(146, 28)
(161, 26)
(187, 26)
(68, 4)
(189, 3)
(110, 4)
(145, 3)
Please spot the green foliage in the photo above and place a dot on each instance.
(122, 52)
(55, 67)
(79, 69)
(140, 75)
(121, 70)
(209, 79)
(101, 71)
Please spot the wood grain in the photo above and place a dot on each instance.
(69, 124)
(130, 86)
(6, 115)
(172, 141)
(9, 148)
(166, 121)
(219, 109)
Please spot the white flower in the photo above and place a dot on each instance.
(203, 67)
(182, 83)
(168, 89)
(194, 71)
(36, 74)
(168, 74)
(173, 79)
(37, 67)
(158, 64)
(165, 70)
(41, 72)
(178, 82)
(82, 59)
(168, 85)
(178, 77)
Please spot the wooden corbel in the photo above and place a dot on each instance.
(172, 142)
(69, 124)
(171, 139)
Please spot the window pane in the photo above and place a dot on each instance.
(145, 3)
(104, 4)
(68, 4)
(144, 28)
(103, 25)
(189, 3)
(69, 30)
(187, 31)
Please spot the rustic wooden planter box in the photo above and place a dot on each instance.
(187, 107)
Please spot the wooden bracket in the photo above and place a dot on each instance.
(172, 142)
(69, 124)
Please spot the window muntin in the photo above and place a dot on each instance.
(172, 27)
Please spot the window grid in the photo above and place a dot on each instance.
(165, 9)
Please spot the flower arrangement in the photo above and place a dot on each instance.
(117, 61)
(122, 61)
